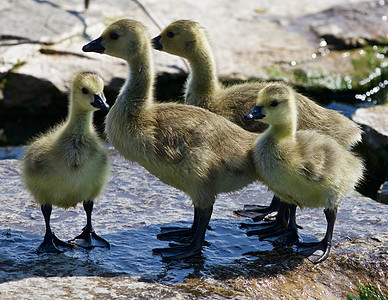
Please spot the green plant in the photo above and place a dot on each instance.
(370, 292)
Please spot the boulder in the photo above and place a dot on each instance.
(374, 146)
(46, 44)
(348, 27)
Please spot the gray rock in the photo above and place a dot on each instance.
(374, 146)
(376, 118)
(129, 213)
(83, 287)
(382, 193)
(44, 40)
(41, 41)
(46, 23)
(346, 27)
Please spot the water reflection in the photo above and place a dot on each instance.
(11, 153)
(129, 215)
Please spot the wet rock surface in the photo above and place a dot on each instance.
(40, 50)
(84, 287)
(129, 213)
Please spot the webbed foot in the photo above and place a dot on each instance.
(274, 230)
(181, 235)
(259, 212)
(201, 222)
(88, 239)
(289, 237)
(50, 245)
(177, 252)
(256, 225)
(315, 252)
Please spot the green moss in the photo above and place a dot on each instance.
(4, 80)
(365, 77)
(18, 65)
(370, 292)
(370, 66)
(314, 78)
(3, 83)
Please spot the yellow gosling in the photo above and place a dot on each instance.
(188, 39)
(69, 163)
(305, 168)
(189, 148)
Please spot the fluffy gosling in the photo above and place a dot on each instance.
(305, 168)
(187, 147)
(188, 39)
(69, 163)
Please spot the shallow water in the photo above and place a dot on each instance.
(129, 214)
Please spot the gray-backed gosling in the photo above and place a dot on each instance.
(187, 147)
(188, 39)
(305, 168)
(69, 163)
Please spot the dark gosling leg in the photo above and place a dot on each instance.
(318, 252)
(88, 239)
(195, 245)
(291, 235)
(50, 242)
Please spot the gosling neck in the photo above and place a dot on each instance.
(79, 122)
(287, 129)
(282, 131)
(138, 88)
(202, 81)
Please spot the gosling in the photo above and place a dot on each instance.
(305, 168)
(69, 163)
(189, 148)
(188, 39)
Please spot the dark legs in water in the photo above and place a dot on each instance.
(290, 234)
(286, 229)
(201, 221)
(274, 228)
(319, 251)
(179, 234)
(88, 238)
(258, 212)
(50, 242)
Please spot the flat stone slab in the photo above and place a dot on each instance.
(129, 214)
(41, 46)
(252, 36)
(375, 117)
(84, 287)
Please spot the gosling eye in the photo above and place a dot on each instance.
(114, 36)
(274, 103)
(85, 91)
(170, 34)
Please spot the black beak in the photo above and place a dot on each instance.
(100, 102)
(156, 43)
(254, 113)
(94, 46)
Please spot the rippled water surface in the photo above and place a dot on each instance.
(129, 214)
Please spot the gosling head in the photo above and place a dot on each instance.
(123, 39)
(87, 92)
(180, 38)
(275, 105)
